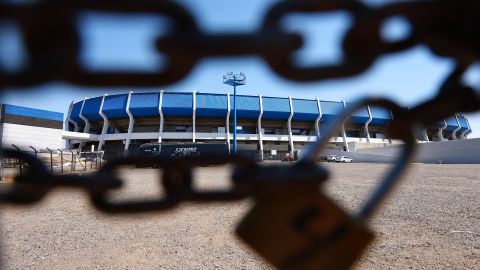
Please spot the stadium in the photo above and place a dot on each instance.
(268, 127)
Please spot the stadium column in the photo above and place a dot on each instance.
(391, 117)
(469, 130)
(454, 132)
(344, 134)
(369, 120)
(317, 121)
(425, 135)
(130, 122)
(260, 134)
(160, 112)
(105, 124)
(86, 129)
(227, 123)
(440, 131)
(67, 121)
(194, 112)
(290, 137)
(462, 135)
(76, 128)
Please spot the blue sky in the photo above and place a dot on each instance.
(408, 77)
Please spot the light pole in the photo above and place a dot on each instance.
(234, 80)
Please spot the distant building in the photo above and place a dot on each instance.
(25, 127)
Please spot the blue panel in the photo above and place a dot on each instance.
(305, 110)
(91, 109)
(381, 116)
(358, 120)
(248, 107)
(360, 116)
(275, 108)
(115, 106)
(330, 110)
(30, 112)
(211, 105)
(144, 104)
(362, 112)
(463, 123)
(451, 124)
(177, 104)
(75, 114)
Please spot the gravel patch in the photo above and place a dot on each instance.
(431, 221)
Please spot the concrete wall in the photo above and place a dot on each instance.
(38, 137)
(454, 152)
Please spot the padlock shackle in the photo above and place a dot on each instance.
(383, 189)
(392, 177)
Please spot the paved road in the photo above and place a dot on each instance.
(432, 221)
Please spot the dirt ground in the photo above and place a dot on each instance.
(432, 221)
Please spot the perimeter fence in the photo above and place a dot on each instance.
(57, 161)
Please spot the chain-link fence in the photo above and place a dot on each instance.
(57, 161)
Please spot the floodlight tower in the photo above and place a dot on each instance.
(234, 80)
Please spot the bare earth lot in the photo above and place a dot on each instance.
(431, 222)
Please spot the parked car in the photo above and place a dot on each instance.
(287, 158)
(344, 159)
(331, 158)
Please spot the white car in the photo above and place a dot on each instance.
(331, 158)
(344, 159)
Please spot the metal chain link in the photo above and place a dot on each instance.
(449, 28)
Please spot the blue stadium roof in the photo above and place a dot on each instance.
(115, 106)
(211, 105)
(248, 107)
(145, 104)
(75, 114)
(31, 112)
(380, 116)
(177, 104)
(275, 108)
(180, 104)
(91, 109)
(305, 109)
(451, 124)
(463, 123)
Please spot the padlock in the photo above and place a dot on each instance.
(293, 225)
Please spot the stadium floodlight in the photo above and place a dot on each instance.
(235, 80)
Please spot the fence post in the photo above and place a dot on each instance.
(2, 164)
(61, 158)
(51, 159)
(34, 150)
(19, 161)
(72, 163)
(85, 167)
